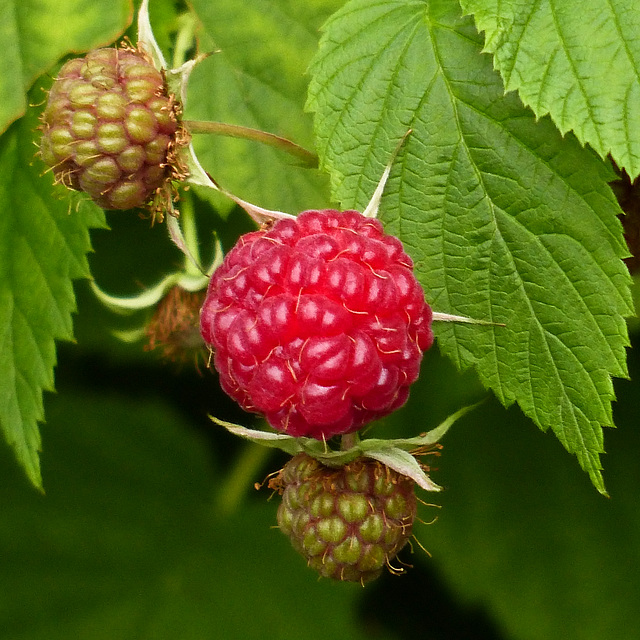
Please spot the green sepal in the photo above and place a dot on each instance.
(394, 453)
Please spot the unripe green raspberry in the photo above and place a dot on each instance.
(348, 522)
(110, 129)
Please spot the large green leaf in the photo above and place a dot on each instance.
(128, 542)
(43, 246)
(36, 33)
(580, 64)
(506, 221)
(257, 79)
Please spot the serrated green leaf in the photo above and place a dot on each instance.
(506, 221)
(43, 246)
(580, 65)
(128, 542)
(36, 33)
(256, 78)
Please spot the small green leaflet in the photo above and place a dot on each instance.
(578, 63)
(506, 221)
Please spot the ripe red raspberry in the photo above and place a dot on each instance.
(349, 523)
(318, 323)
(110, 129)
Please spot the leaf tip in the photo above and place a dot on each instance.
(34, 475)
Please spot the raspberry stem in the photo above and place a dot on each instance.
(307, 158)
(246, 470)
(185, 39)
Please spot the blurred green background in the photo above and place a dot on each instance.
(151, 527)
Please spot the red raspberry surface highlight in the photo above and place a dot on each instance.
(318, 323)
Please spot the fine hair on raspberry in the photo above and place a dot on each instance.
(347, 522)
(318, 323)
(111, 129)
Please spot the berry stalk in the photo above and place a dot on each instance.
(308, 159)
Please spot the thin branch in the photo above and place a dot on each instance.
(308, 159)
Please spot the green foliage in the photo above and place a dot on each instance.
(42, 249)
(37, 33)
(149, 527)
(43, 239)
(580, 64)
(500, 224)
(256, 77)
(129, 541)
(506, 220)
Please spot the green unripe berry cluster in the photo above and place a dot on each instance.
(110, 129)
(348, 522)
